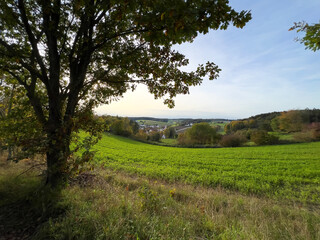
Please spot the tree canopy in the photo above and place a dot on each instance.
(70, 56)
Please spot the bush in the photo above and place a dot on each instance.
(184, 140)
(261, 137)
(305, 136)
(232, 140)
(154, 136)
(310, 133)
(141, 135)
(315, 129)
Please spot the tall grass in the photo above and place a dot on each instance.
(126, 207)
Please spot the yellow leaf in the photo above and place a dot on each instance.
(162, 15)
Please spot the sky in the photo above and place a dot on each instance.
(263, 68)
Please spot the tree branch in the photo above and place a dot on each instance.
(33, 41)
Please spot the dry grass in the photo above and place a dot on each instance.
(225, 214)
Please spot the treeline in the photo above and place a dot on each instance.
(203, 133)
(150, 119)
(287, 121)
(262, 129)
(121, 126)
(304, 125)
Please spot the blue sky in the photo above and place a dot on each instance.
(263, 68)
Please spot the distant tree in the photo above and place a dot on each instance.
(200, 133)
(184, 140)
(134, 126)
(71, 56)
(170, 132)
(232, 140)
(123, 127)
(154, 136)
(311, 40)
(261, 137)
(235, 126)
(141, 135)
(275, 124)
(252, 123)
(227, 128)
(291, 121)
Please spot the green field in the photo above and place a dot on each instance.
(281, 172)
(152, 123)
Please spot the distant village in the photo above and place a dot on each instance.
(158, 128)
(179, 125)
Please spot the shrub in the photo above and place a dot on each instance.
(154, 136)
(141, 135)
(261, 137)
(310, 133)
(232, 140)
(305, 136)
(315, 128)
(183, 140)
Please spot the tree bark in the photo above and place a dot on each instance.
(57, 155)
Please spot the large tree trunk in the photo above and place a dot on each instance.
(57, 156)
(9, 153)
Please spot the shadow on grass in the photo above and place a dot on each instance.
(25, 204)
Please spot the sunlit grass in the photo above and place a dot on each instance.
(289, 172)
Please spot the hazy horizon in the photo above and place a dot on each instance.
(226, 118)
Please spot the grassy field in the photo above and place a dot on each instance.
(104, 204)
(223, 193)
(169, 142)
(152, 123)
(220, 124)
(290, 172)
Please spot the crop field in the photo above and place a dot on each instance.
(290, 172)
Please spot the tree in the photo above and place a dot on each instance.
(291, 121)
(154, 136)
(71, 56)
(123, 127)
(311, 40)
(170, 132)
(262, 137)
(232, 140)
(199, 133)
(18, 126)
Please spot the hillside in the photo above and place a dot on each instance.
(282, 172)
